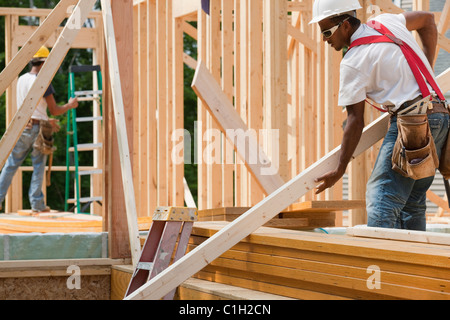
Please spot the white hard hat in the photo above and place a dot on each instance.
(327, 8)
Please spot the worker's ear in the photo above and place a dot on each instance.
(347, 26)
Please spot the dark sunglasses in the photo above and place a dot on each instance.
(329, 32)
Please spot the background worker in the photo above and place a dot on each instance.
(380, 72)
(26, 142)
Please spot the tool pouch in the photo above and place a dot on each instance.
(44, 141)
(414, 155)
(444, 161)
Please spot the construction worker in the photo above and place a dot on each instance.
(26, 142)
(381, 69)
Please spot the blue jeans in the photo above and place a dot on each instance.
(16, 158)
(394, 201)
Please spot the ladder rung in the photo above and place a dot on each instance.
(87, 147)
(87, 99)
(84, 68)
(87, 92)
(85, 200)
(89, 172)
(88, 119)
(144, 265)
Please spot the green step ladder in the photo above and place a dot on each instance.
(72, 145)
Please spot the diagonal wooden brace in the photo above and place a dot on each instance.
(236, 130)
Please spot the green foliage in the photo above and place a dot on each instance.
(190, 115)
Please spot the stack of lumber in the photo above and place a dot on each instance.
(308, 265)
(60, 222)
(191, 289)
(299, 216)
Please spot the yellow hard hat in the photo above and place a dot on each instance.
(42, 54)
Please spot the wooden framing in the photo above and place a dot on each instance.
(121, 127)
(257, 215)
(42, 33)
(43, 80)
(252, 219)
(306, 77)
(289, 91)
(235, 130)
(28, 38)
(65, 40)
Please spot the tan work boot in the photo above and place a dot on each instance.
(34, 211)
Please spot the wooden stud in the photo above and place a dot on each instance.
(121, 127)
(178, 109)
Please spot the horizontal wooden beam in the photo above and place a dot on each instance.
(37, 264)
(27, 12)
(185, 8)
(87, 37)
(298, 6)
(401, 235)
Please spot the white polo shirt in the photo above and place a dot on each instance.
(380, 71)
(24, 85)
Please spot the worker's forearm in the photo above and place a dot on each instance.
(56, 110)
(350, 140)
(59, 110)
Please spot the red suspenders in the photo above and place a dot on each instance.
(416, 64)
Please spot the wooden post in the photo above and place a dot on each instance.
(275, 78)
(255, 86)
(228, 88)
(121, 79)
(178, 108)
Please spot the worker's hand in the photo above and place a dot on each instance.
(55, 125)
(328, 180)
(73, 103)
